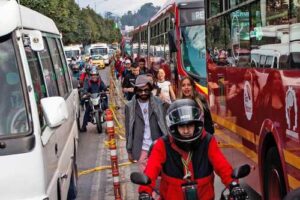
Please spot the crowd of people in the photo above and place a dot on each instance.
(167, 135)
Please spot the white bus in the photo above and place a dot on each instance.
(38, 109)
(99, 49)
(73, 51)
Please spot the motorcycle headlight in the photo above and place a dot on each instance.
(95, 101)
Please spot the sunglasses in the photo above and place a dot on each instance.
(146, 91)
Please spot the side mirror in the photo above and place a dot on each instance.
(172, 41)
(241, 171)
(55, 111)
(139, 178)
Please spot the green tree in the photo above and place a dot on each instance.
(77, 25)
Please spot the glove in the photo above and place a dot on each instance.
(145, 196)
(237, 192)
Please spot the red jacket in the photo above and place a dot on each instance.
(165, 157)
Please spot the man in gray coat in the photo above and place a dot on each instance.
(144, 121)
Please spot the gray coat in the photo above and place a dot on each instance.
(134, 124)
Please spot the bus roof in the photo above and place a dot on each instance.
(72, 47)
(10, 18)
(170, 5)
(171, 2)
(100, 45)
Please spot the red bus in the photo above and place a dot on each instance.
(125, 46)
(175, 37)
(253, 65)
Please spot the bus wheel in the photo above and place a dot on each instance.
(274, 186)
(73, 188)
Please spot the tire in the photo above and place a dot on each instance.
(98, 122)
(73, 188)
(274, 185)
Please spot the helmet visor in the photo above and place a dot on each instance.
(184, 115)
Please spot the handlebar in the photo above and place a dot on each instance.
(87, 94)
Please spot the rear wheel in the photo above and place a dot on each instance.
(98, 122)
(274, 185)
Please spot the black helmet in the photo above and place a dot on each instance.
(182, 112)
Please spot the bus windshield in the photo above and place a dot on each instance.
(193, 51)
(99, 51)
(13, 114)
(72, 53)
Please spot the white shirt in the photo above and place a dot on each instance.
(165, 90)
(147, 141)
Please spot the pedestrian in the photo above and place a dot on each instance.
(144, 121)
(129, 81)
(127, 68)
(187, 158)
(166, 90)
(155, 66)
(118, 64)
(188, 90)
(142, 65)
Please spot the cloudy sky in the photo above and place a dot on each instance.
(117, 6)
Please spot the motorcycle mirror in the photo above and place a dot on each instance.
(139, 178)
(241, 171)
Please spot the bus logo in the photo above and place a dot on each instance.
(248, 104)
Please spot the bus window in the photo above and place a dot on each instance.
(262, 61)
(269, 62)
(48, 71)
(193, 49)
(64, 64)
(254, 60)
(37, 81)
(13, 114)
(295, 60)
(275, 63)
(283, 61)
(59, 72)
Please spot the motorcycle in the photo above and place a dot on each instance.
(239, 172)
(96, 101)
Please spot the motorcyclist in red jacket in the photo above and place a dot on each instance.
(187, 158)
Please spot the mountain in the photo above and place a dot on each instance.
(141, 16)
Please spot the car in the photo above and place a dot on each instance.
(98, 60)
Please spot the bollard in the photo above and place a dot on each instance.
(110, 130)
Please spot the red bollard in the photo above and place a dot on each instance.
(110, 130)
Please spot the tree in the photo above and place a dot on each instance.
(77, 26)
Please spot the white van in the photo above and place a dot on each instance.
(38, 109)
(73, 51)
(99, 49)
(277, 56)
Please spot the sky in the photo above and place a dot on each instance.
(118, 7)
